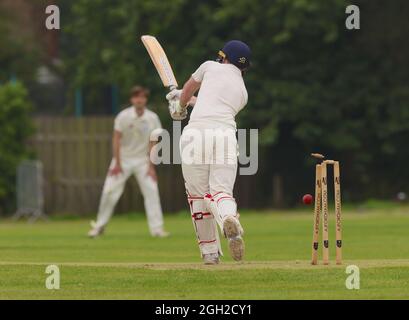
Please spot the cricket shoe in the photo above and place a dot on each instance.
(211, 258)
(95, 231)
(160, 234)
(234, 232)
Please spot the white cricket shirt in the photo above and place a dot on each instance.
(221, 96)
(136, 132)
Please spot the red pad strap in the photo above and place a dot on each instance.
(200, 215)
(206, 241)
(194, 198)
(218, 200)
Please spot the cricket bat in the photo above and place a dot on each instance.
(160, 60)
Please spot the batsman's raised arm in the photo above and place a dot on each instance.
(189, 89)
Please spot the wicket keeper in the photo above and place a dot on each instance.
(131, 145)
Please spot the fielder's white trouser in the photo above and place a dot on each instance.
(209, 170)
(114, 187)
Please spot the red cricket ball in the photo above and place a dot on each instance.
(307, 199)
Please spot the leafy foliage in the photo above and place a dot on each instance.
(15, 127)
(313, 86)
(18, 53)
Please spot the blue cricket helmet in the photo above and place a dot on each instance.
(238, 53)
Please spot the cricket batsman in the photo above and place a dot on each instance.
(209, 170)
(134, 130)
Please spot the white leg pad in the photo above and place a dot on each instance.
(205, 226)
(221, 205)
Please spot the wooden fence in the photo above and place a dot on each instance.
(76, 153)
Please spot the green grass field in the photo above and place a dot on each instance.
(127, 264)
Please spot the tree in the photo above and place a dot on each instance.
(19, 54)
(15, 128)
(313, 85)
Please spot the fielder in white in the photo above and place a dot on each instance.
(209, 147)
(134, 127)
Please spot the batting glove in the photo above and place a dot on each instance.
(177, 112)
(174, 95)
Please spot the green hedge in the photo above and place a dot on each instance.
(15, 127)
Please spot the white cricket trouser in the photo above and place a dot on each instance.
(114, 187)
(212, 174)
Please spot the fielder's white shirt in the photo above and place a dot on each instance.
(221, 96)
(136, 131)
